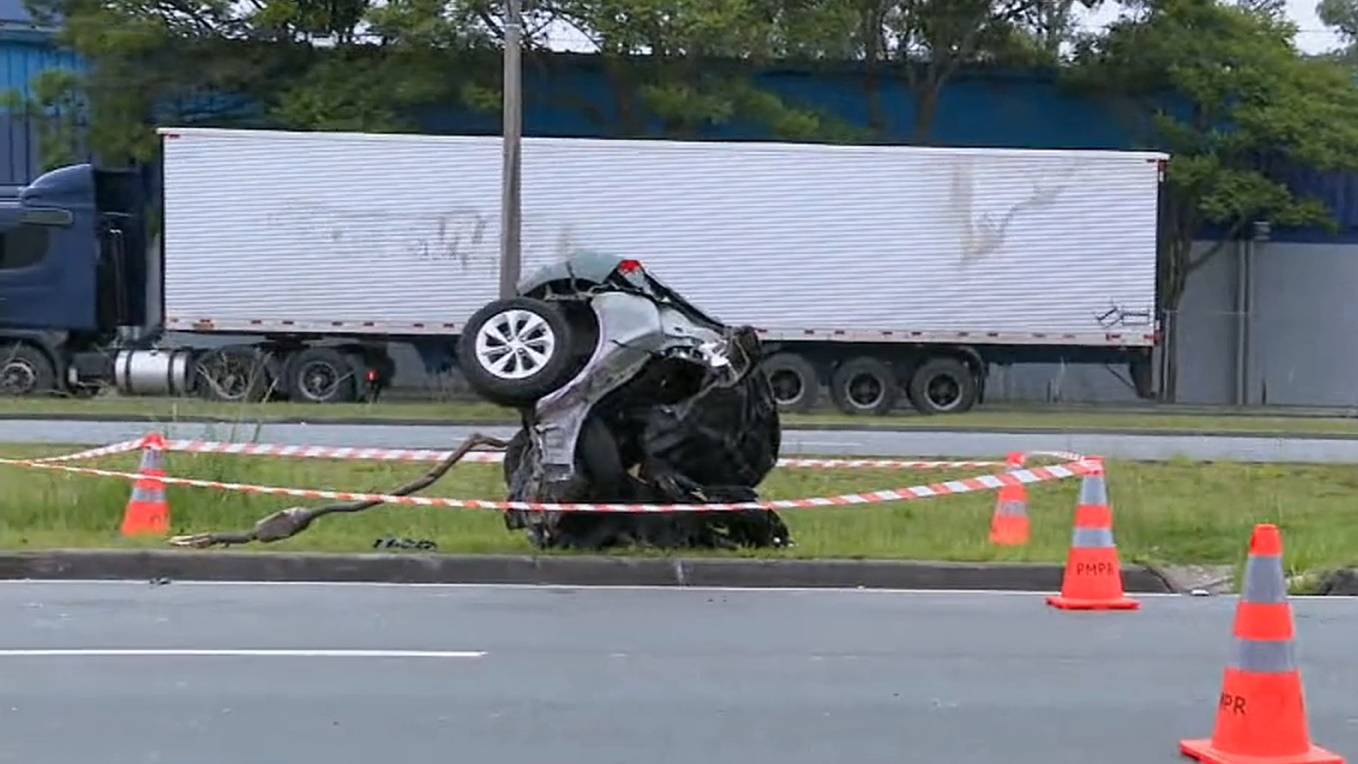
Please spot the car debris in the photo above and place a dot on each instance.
(289, 522)
(627, 394)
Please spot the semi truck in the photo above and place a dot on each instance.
(880, 274)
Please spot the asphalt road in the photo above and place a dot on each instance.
(601, 676)
(884, 443)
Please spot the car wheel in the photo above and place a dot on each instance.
(516, 351)
(943, 386)
(865, 385)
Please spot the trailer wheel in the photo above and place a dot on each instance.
(321, 375)
(943, 386)
(796, 387)
(865, 385)
(516, 351)
(25, 370)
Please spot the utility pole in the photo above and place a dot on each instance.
(513, 129)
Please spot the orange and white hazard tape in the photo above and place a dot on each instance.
(948, 488)
(113, 449)
(495, 457)
(473, 457)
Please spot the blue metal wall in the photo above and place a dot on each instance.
(26, 50)
(573, 96)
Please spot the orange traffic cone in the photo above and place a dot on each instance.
(1009, 525)
(147, 510)
(1261, 717)
(1093, 575)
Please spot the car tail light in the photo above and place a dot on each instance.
(628, 267)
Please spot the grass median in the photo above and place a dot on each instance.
(1181, 512)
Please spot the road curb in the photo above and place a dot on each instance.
(545, 570)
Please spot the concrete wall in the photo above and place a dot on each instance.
(1300, 331)
(1303, 324)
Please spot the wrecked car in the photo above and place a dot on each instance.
(627, 393)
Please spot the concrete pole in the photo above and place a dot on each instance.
(513, 128)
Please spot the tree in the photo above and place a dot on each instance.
(338, 64)
(1235, 105)
(690, 62)
(932, 40)
(1342, 16)
(370, 64)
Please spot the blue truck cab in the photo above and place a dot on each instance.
(81, 306)
(73, 278)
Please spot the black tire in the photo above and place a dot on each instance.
(943, 386)
(544, 378)
(321, 375)
(236, 373)
(865, 385)
(26, 370)
(796, 388)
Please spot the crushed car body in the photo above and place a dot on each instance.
(629, 394)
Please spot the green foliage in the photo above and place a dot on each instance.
(1251, 101)
(355, 92)
(1342, 15)
(56, 108)
(366, 65)
(1245, 102)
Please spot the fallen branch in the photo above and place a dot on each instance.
(293, 520)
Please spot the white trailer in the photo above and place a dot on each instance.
(875, 269)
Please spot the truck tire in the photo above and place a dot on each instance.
(865, 385)
(943, 386)
(25, 370)
(321, 375)
(796, 388)
(494, 351)
(235, 373)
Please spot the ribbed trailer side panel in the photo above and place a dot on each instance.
(334, 232)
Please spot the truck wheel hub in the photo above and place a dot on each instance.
(319, 380)
(865, 390)
(943, 391)
(787, 387)
(17, 377)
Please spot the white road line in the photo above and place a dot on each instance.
(157, 652)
